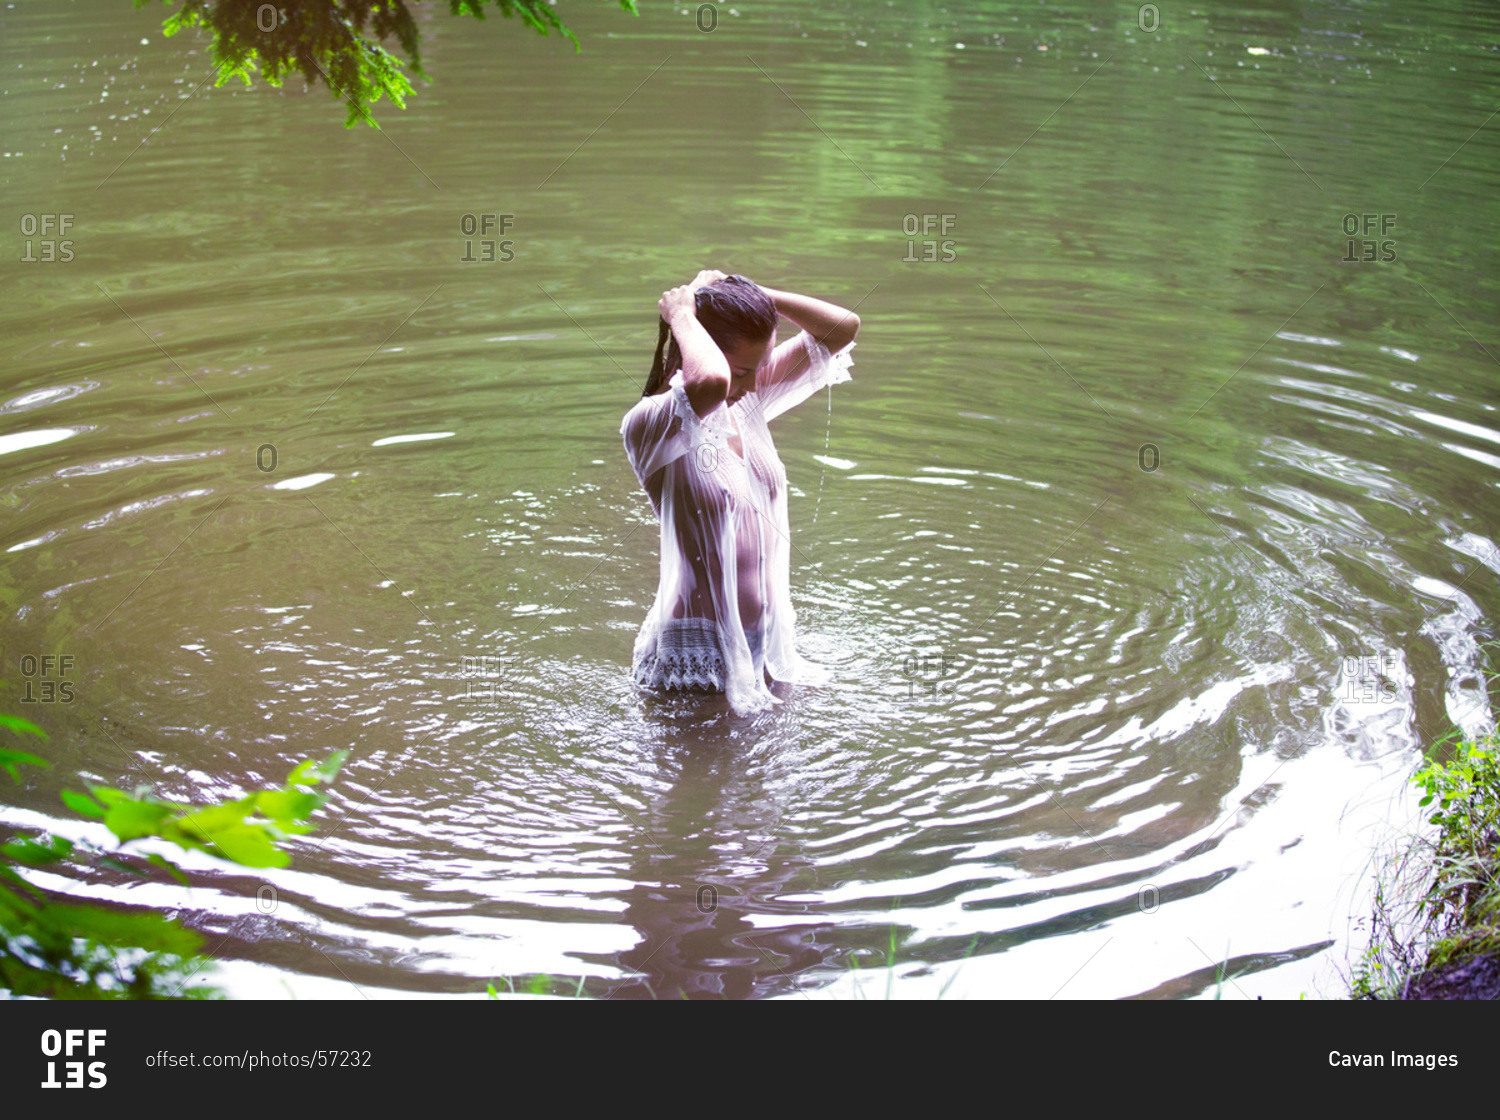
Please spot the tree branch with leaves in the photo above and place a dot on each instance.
(336, 43)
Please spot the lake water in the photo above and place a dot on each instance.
(1150, 546)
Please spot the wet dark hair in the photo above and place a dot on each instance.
(733, 310)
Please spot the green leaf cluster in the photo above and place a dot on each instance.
(1441, 902)
(12, 760)
(245, 831)
(61, 950)
(1464, 795)
(540, 984)
(337, 43)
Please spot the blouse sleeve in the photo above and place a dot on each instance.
(800, 367)
(663, 428)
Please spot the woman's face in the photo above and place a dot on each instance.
(746, 360)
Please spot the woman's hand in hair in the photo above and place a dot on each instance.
(675, 302)
(681, 299)
(707, 277)
(705, 370)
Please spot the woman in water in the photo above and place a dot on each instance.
(698, 442)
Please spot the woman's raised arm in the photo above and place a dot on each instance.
(705, 370)
(829, 323)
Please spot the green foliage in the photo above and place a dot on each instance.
(1454, 910)
(540, 984)
(12, 760)
(245, 831)
(1384, 965)
(326, 41)
(1464, 789)
(1465, 794)
(62, 950)
(893, 944)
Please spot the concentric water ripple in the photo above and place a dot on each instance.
(1150, 546)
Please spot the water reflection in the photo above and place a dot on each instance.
(304, 481)
(710, 871)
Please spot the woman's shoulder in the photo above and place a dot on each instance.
(658, 402)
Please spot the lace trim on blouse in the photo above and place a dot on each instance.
(686, 656)
(825, 368)
(710, 430)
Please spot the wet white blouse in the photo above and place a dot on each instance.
(723, 614)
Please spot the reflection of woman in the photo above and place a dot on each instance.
(699, 445)
(706, 882)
